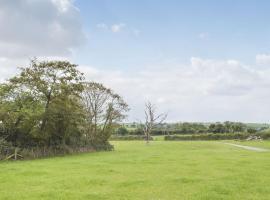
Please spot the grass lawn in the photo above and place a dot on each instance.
(163, 170)
(262, 144)
(158, 138)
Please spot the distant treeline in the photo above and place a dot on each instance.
(215, 136)
(191, 128)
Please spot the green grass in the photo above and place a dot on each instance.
(262, 144)
(162, 170)
(158, 137)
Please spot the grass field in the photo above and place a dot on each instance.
(159, 171)
(262, 144)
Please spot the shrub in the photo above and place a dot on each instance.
(264, 135)
(122, 131)
(210, 136)
(5, 148)
(138, 131)
(129, 137)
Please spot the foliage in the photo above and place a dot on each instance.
(251, 130)
(196, 128)
(6, 148)
(214, 136)
(137, 131)
(42, 108)
(129, 137)
(121, 131)
(104, 109)
(227, 127)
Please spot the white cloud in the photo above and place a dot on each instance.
(263, 59)
(115, 28)
(204, 90)
(64, 5)
(119, 27)
(39, 28)
(201, 91)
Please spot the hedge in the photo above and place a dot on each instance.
(7, 151)
(128, 137)
(212, 136)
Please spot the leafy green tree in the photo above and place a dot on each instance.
(40, 104)
(19, 113)
(65, 121)
(217, 128)
(122, 131)
(251, 130)
(48, 82)
(48, 106)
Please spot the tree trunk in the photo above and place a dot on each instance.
(44, 120)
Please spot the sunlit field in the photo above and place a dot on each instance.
(161, 170)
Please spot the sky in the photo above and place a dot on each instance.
(195, 60)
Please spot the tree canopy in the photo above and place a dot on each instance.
(49, 104)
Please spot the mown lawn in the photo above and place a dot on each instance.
(262, 144)
(163, 170)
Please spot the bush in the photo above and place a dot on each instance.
(264, 135)
(129, 137)
(122, 131)
(138, 131)
(5, 148)
(40, 152)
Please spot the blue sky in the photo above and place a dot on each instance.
(173, 30)
(197, 60)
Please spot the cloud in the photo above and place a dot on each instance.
(115, 28)
(8, 68)
(263, 59)
(39, 28)
(204, 90)
(119, 27)
(203, 35)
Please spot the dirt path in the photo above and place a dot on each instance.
(248, 147)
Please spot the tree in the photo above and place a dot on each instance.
(217, 128)
(48, 106)
(48, 82)
(151, 119)
(104, 109)
(19, 113)
(251, 130)
(122, 131)
(48, 79)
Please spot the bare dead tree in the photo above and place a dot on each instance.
(152, 119)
